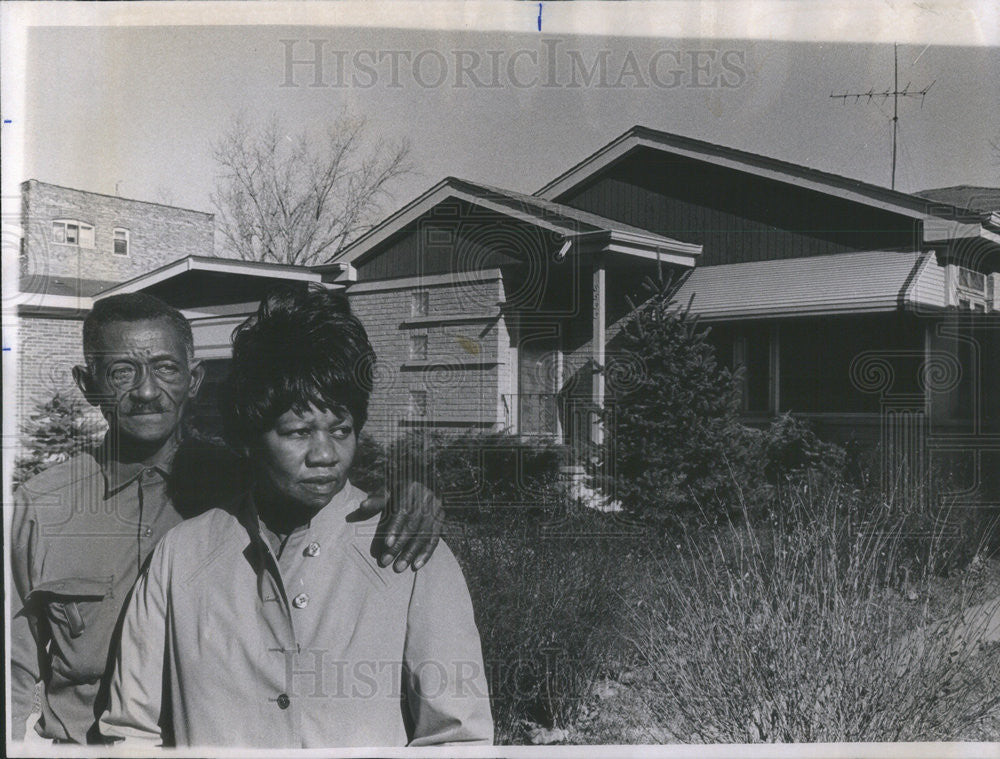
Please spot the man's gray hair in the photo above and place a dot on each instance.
(132, 307)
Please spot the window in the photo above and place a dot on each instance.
(418, 347)
(971, 280)
(817, 355)
(752, 351)
(419, 303)
(121, 242)
(71, 232)
(418, 402)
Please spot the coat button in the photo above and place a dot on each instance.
(312, 549)
(284, 701)
(301, 601)
(147, 532)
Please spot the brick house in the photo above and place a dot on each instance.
(872, 312)
(74, 244)
(77, 246)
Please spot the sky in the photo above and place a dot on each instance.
(134, 110)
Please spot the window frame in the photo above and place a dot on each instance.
(417, 353)
(420, 303)
(127, 239)
(418, 402)
(80, 228)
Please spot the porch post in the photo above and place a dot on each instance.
(775, 369)
(598, 317)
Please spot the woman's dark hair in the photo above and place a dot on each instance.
(302, 346)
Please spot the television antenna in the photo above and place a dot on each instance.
(895, 93)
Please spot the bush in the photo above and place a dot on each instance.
(482, 475)
(368, 470)
(679, 448)
(545, 578)
(827, 626)
(57, 430)
(789, 449)
(676, 431)
(547, 596)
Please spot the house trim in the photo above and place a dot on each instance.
(490, 199)
(55, 306)
(762, 166)
(218, 265)
(430, 280)
(430, 321)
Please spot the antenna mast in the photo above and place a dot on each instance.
(895, 93)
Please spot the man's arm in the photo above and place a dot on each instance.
(135, 696)
(444, 676)
(24, 645)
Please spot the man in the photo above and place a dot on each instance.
(82, 529)
(266, 623)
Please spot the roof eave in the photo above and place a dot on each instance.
(207, 264)
(763, 166)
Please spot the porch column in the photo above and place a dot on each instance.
(598, 318)
(775, 369)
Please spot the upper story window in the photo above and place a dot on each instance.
(418, 347)
(72, 232)
(419, 303)
(121, 242)
(418, 402)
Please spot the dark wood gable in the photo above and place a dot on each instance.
(456, 236)
(737, 216)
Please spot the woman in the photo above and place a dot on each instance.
(267, 623)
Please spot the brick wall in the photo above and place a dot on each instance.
(47, 351)
(158, 234)
(464, 364)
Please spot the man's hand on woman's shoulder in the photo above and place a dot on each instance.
(412, 518)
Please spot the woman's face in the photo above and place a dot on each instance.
(305, 457)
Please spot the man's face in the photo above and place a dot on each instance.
(141, 379)
(305, 457)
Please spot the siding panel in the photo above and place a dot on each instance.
(736, 216)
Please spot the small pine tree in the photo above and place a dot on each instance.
(676, 431)
(58, 429)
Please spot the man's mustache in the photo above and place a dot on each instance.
(141, 409)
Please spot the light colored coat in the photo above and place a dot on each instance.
(223, 644)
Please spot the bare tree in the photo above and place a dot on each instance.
(287, 198)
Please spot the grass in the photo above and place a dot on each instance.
(827, 612)
(835, 621)
(830, 625)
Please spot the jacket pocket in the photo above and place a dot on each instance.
(71, 603)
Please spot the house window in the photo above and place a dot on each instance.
(971, 280)
(418, 347)
(71, 232)
(752, 351)
(121, 242)
(419, 303)
(418, 402)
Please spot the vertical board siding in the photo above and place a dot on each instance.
(736, 216)
(456, 236)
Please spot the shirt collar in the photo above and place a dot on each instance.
(118, 474)
(322, 520)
